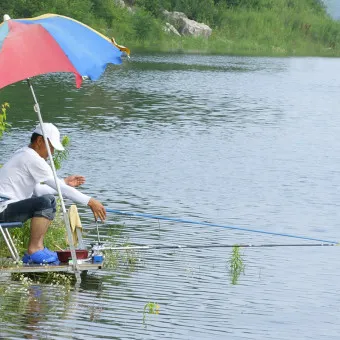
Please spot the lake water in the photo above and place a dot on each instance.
(248, 142)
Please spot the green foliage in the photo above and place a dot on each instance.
(120, 27)
(27, 295)
(3, 118)
(52, 278)
(316, 5)
(7, 6)
(236, 265)
(104, 9)
(202, 11)
(240, 27)
(115, 258)
(155, 7)
(56, 236)
(150, 308)
(22, 294)
(145, 26)
(78, 9)
(60, 156)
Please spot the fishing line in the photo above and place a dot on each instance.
(164, 218)
(269, 245)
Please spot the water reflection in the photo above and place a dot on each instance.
(132, 97)
(36, 311)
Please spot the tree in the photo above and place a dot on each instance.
(154, 6)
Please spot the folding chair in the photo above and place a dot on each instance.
(8, 239)
(74, 221)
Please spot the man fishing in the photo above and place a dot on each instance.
(22, 197)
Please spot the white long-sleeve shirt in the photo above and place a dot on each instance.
(49, 187)
(23, 173)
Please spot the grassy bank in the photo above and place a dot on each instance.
(240, 27)
(278, 31)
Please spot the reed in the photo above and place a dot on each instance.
(129, 259)
(236, 265)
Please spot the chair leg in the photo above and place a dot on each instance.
(10, 244)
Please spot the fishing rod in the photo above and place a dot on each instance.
(155, 247)
(164, 218)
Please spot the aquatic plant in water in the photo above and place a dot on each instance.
(22, 297)
(53, 278)
(236, 265)
(150, 308)
(115, 257)
(27, 298)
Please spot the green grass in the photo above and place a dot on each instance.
(265, 33)
(252, 27)
(281, 28)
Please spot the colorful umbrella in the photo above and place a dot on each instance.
(53, 43)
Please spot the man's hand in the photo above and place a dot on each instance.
(74, 180)
(97, 209)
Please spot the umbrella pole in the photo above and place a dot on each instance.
(66, 220)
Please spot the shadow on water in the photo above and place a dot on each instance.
(91, 282)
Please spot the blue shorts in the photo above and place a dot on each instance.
(21, 211)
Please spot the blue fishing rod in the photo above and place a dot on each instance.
(179, 220)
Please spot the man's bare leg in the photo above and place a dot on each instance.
(39, 226)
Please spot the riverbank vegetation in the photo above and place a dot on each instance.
(3, 118)
(239, 27)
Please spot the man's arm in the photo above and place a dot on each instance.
(78, 197)
(97, 208)
(73, 181)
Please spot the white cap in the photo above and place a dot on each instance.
(7, 17)
(52, 133)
